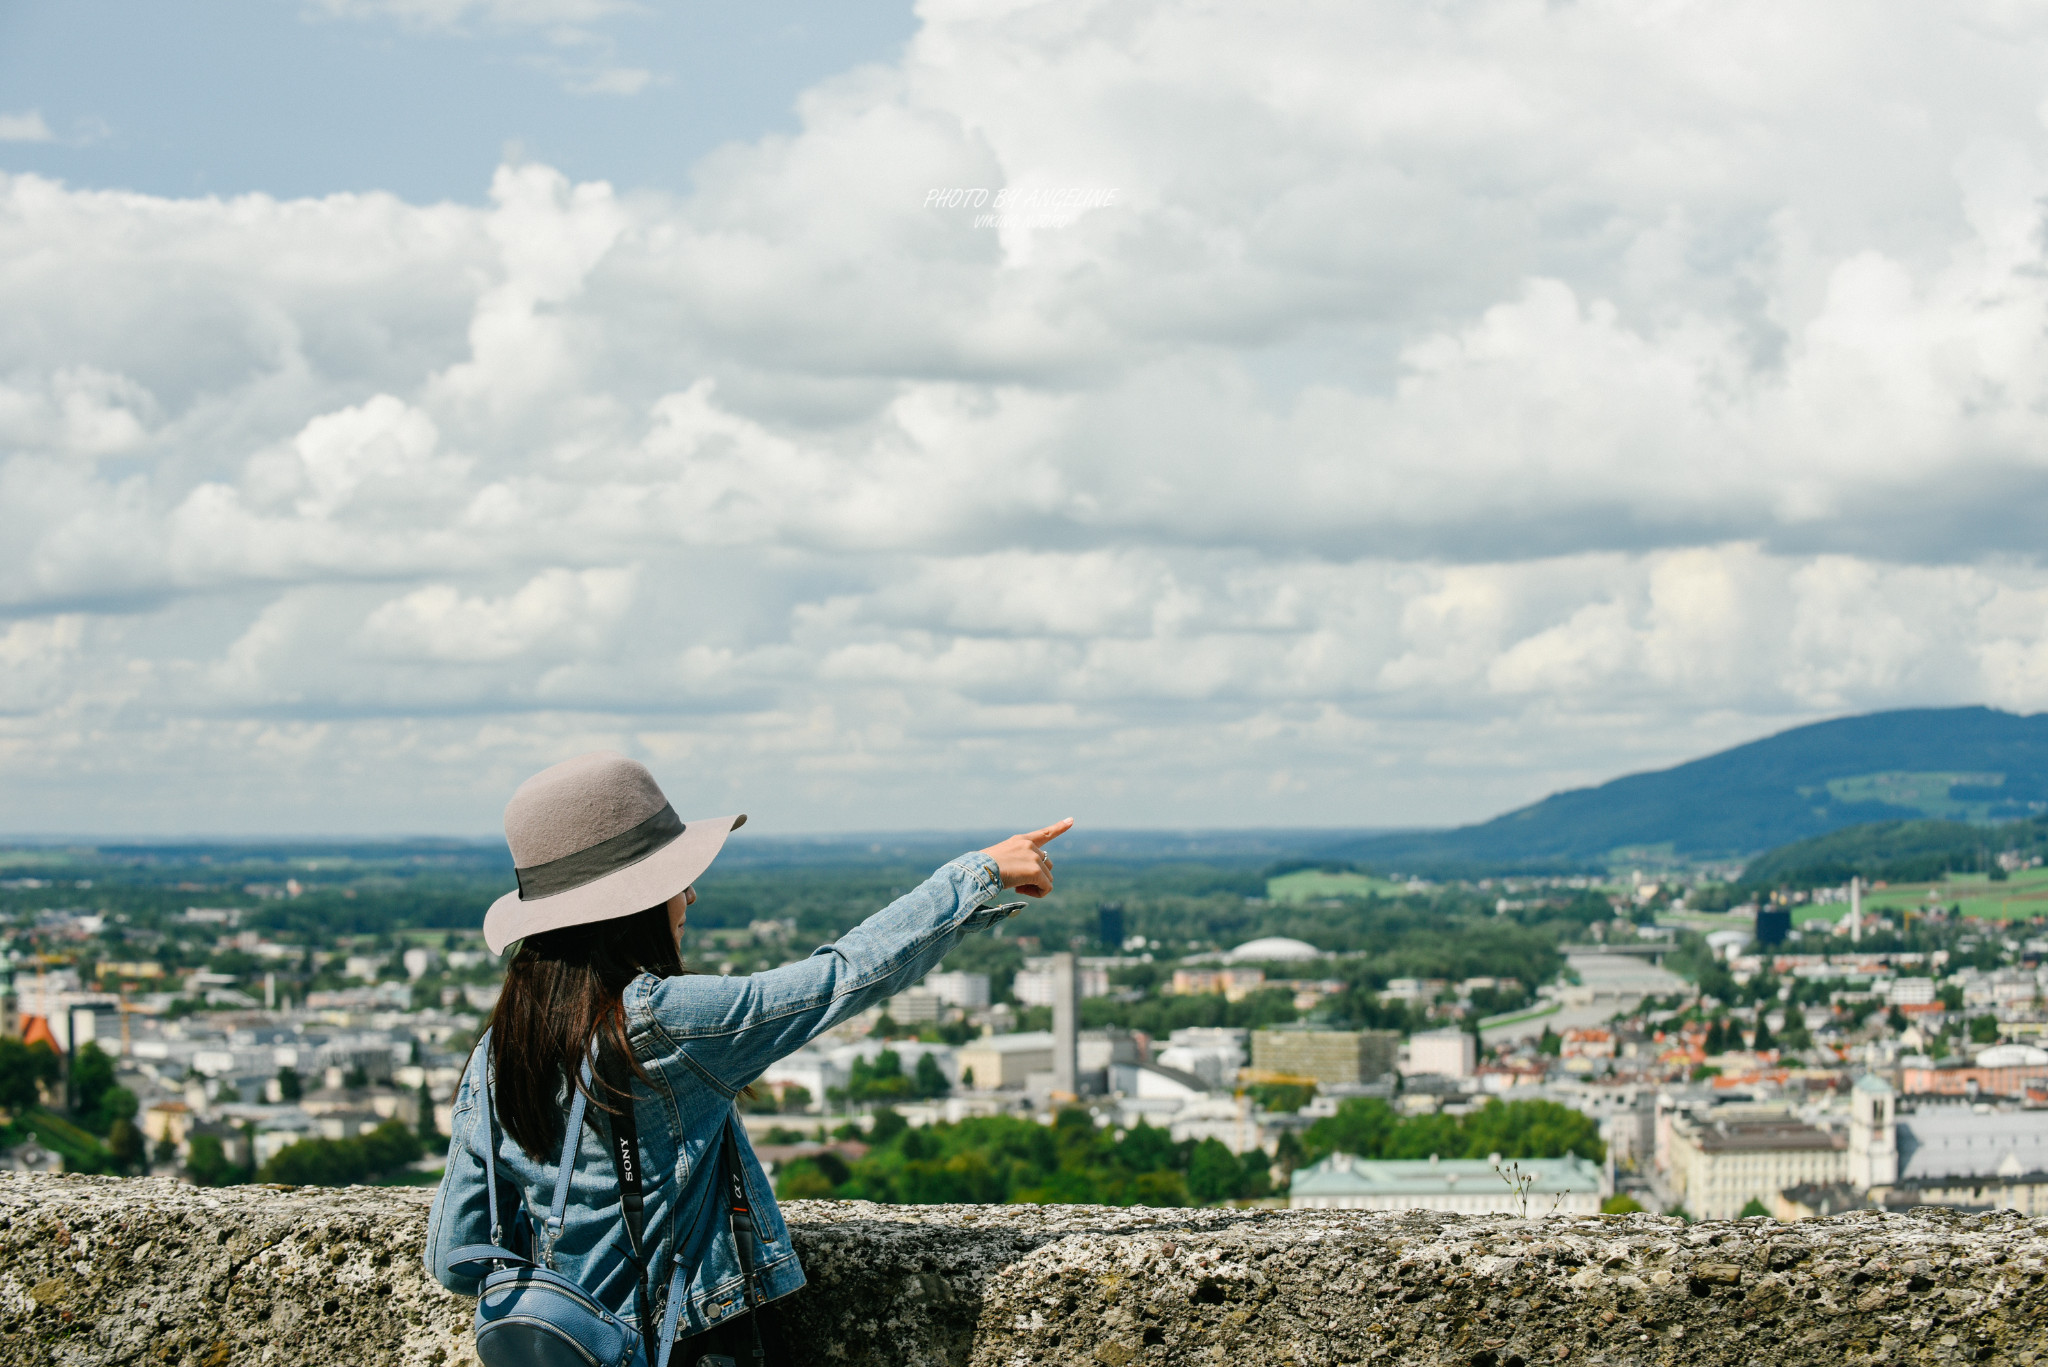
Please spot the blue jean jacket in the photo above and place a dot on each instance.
(701, 1039)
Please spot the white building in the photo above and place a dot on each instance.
(1873, 1136)
(1447, 1053)
(1468, 1186)
(1034, 983)
(1910, 991)
(968, 990)
(1229, 1120)
(1273, 949)
(1954, 1154)
(1211, 1053)
(1718, 1166)
(915, 1006)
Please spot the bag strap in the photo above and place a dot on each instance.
(572, 1138)
(483, 1049)
(565, 1169)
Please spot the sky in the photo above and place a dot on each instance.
(884, 418)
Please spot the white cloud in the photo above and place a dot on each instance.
(25, 127)
(1446, 408)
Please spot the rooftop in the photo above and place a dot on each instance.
(1763, 1136)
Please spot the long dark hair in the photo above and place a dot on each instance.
(561, 992)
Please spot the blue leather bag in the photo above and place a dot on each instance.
(529, 1315)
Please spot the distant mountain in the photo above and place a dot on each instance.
(1970, 764)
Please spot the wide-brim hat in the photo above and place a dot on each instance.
(593, 839)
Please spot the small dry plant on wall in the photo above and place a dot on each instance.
(1519, 1182)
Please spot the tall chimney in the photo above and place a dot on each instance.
(1066, 1030)
(1855, 911)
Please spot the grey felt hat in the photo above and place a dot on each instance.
(592, 839)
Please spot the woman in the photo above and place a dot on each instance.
(605, 872)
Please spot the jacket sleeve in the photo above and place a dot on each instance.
(462, 1213)
(731, 1028)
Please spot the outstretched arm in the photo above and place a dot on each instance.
(731, 1029)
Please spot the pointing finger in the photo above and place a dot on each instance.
(1052, 832)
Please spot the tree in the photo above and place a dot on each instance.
(206, 1162)
(289, 1086)
(92, 1074)
(1717, 1038)
(1762, 1040)
(1795, 1037)
(1283, 1097)
(22, 1068)
(341, 1162)
(428, 1132)
(796, 1098)
(117, 1104)
(1895, 1021)
(1214, 1174)
(1549, 1042)
(1753, 1209)
(1621, 1203)
(888, 1124)
(882, 1080)
(125, 1142)
(1984, 1030)
(356, 1076)
(801, 1181)
(929, 1080)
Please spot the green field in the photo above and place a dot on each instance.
(1926, 793)
(1314, 885)
(2022, 897)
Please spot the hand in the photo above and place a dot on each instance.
(1023, 862)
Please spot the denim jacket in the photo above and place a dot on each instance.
(700, 1038)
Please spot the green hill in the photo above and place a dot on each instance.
(1961, 764)
(1896, 852)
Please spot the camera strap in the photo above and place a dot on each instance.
(739, 1213)
(625, 1147)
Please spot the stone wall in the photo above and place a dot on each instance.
(99, 1270)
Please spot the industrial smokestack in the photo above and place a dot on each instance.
(1855, 910)
(1066, 1029)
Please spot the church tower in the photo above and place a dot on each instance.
(1873, 1133)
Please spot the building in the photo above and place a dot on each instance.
(1036, 983)
(1947, 1154)
(1446, 1053)
(1233, 983)
(1910, 991)
(1335, 1058)
(1005, 1060)
(1873, 1139)
(1467, 1186)
(1273, 949)
(1589, 1041)
(966, 990)
(1229, 1120)
(1213, 1054)
(2003, 1070)
(1718, 1166)
(915, 1006)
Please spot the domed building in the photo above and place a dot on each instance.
(1272, 949)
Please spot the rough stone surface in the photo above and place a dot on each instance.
(99, 1270)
